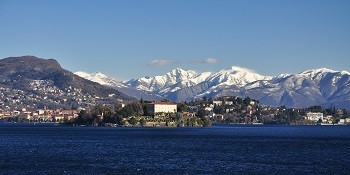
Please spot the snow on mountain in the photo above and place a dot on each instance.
(308, 88)
(100, 78)
(235, 76)
(120, 86)
(281, 76)
(181, 85)
(158, 83)
(312, 87)
(179, 78)
(200, 78)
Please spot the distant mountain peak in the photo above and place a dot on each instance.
(178, 70)
(182, 71)
(281, 76)
(100, 78)
(30, 61)
(81, 74)
(241, 69)
(319, 70)
(344, 72)
(181, 74)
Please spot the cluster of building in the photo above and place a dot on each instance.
(235, 110)
(44, 94)
(318, 117)
(12, 97)
(41, 115)
(228, 108)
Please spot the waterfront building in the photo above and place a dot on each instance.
(314, 116)
(161, 107)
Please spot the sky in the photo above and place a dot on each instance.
(135, 38)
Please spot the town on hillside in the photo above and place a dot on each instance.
(45, 95)
(203, 112)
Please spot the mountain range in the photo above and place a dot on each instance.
(30, 81)
(322, 87)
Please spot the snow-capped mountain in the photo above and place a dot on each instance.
(179, 78)
(100, 78)
(158, 83)
(312, 87)
(103, 79)
(234, 76)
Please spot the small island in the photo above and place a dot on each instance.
(199, 113)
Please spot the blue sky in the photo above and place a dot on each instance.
(135, 38)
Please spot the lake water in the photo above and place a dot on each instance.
(227, 149)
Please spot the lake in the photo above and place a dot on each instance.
(221, 149)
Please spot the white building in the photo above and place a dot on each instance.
(314, 116)
(328, 119)
(120, 105)
(341, 122)
(217, 103)
(208, 109)
(15, 113)
(345, 121)
(252, 103)
(229, 110)
(161, 107)
(229, 103)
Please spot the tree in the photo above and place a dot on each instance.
(119, 119)
(131, 109)
(206, 122)
(143, 122)
(96, 121)
(83, 118)
(102, 110)
(315, 109)
(201, 112)
(181, 107)
(246, 101)
(218, 109)
(132, 121)
(144, 106)
(210, 100)
(205, 98)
